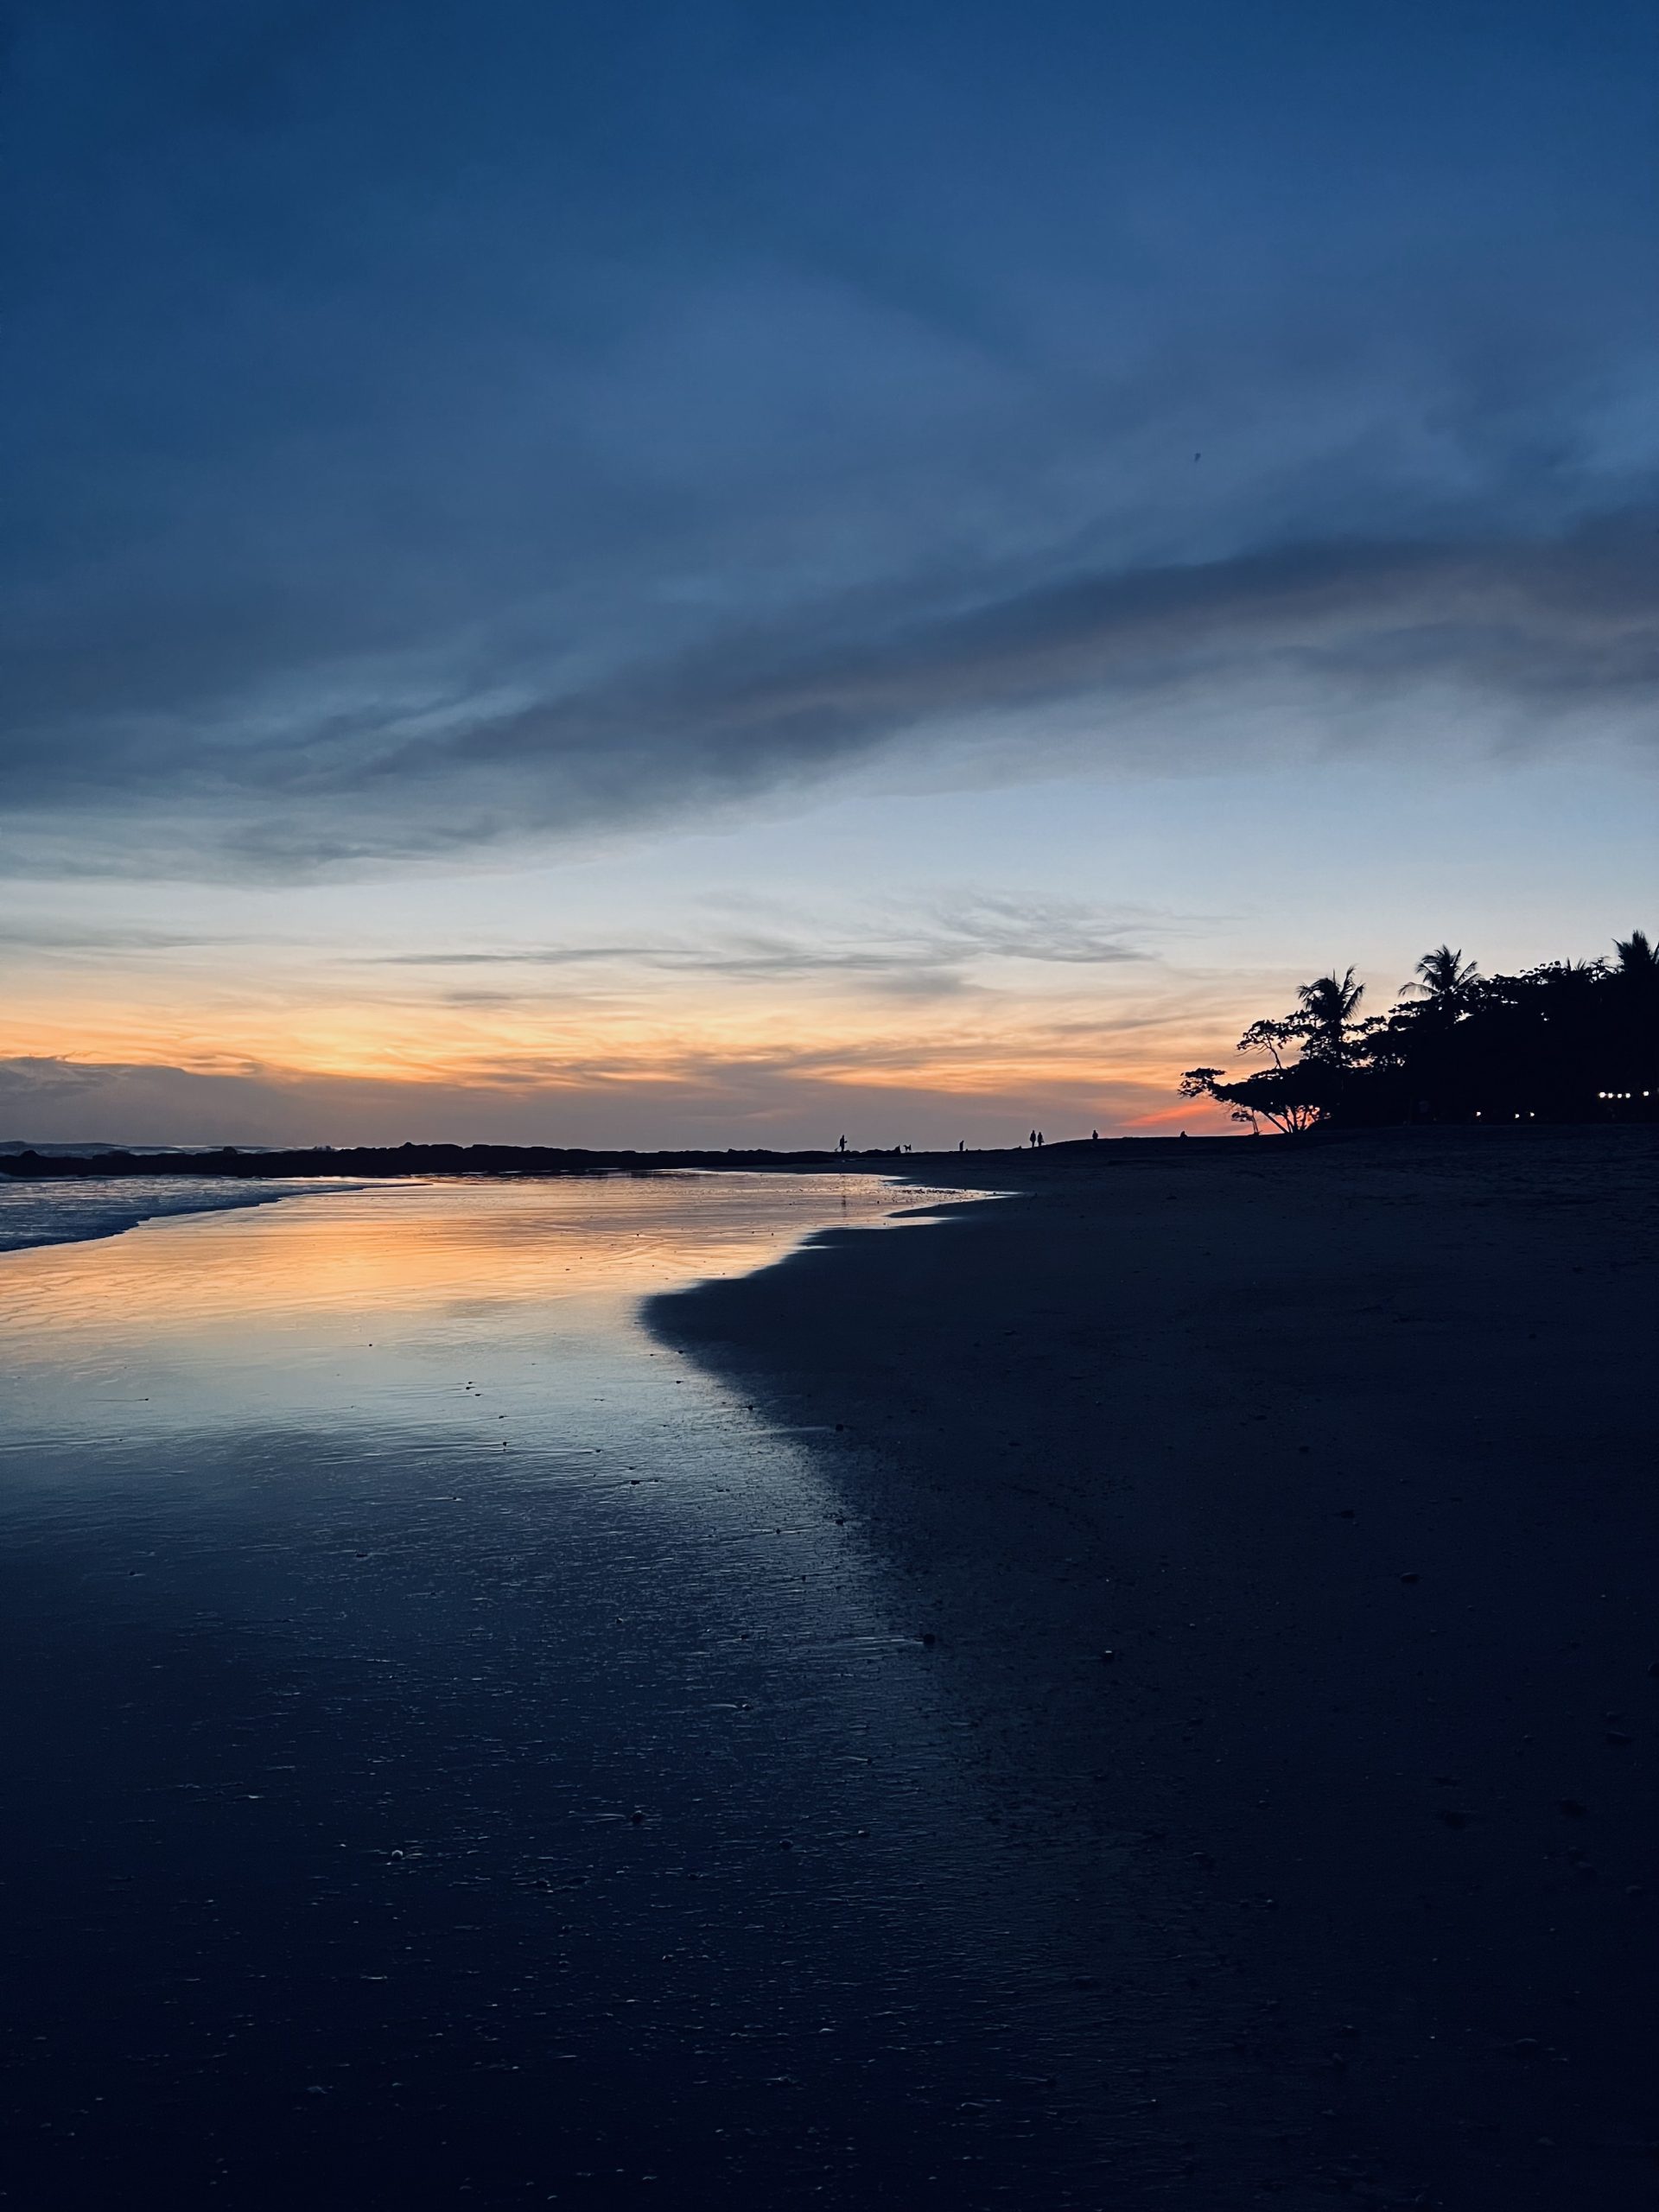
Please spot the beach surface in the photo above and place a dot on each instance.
(459, 1752)
(1284, 1523)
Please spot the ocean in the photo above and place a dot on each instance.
(73, 1210)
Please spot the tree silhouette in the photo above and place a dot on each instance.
(1638, 961)
(1443, 979)
(1295, 1093)
(1326, 1008)
(1572, 1041)
(1277, 1095)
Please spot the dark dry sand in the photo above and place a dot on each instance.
(1345, 1456)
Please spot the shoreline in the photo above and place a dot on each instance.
(1066, 1157)
(364, 1162)
(1283, 1522)
(40, 1216)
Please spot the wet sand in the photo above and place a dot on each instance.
(457, 1753)
(1287, 1526)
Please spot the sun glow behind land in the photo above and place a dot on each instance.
(831, 972)
(762, 1064)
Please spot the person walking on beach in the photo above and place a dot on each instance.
(841, 1147)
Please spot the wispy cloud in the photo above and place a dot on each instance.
(102, 940)
(924, 954)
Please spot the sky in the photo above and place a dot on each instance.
(732, 574)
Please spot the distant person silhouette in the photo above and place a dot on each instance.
(961, 1144)
(1094, 1136)
(1032, 1139)
(1041, 1140)
(841, 1147)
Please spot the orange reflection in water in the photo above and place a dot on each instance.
(327, 1301)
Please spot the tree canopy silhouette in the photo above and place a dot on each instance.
(1569, 1042)
(1638, 961)
(1444, 978)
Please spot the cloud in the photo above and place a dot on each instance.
(1562, 627)
(419, 444)
(780, 1103)
(105, 940)
(922, 954)
(1548, 636)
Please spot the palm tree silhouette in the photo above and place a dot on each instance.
(1327, 1006)
(1566, 1041)
(1444, 978)
(1637, 959)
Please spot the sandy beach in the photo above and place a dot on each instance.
(462, 1754)
(1134, 1695)
(1284, 1524)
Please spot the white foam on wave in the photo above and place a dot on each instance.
(51, 1212)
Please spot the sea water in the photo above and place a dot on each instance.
(69, 1211)
(457, 1752)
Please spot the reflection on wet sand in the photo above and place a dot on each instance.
(274, 1305)
(467, 1755)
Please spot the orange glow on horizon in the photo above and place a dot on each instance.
(352, 1044)
(1108, 1057)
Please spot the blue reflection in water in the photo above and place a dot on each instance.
(462, 1757)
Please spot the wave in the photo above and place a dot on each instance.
(52, 1212)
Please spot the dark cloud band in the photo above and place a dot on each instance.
(1559, 632)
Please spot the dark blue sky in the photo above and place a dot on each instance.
(422, 399)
